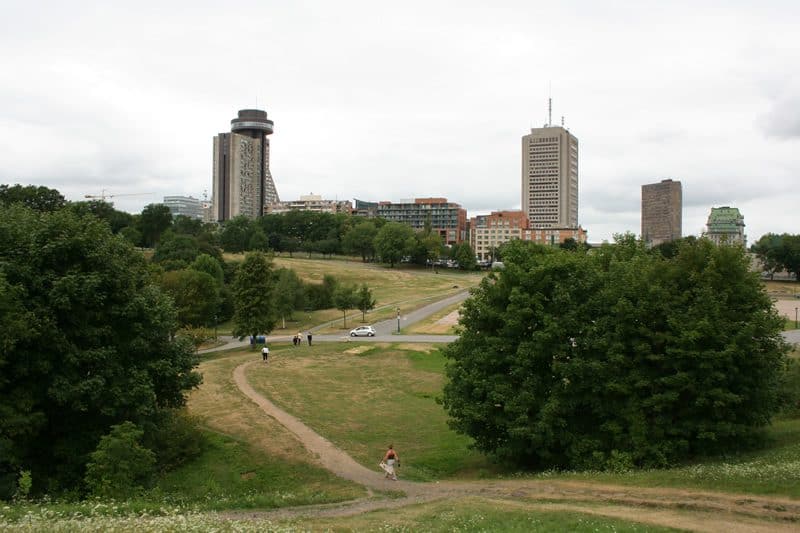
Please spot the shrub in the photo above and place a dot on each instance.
(175, 438)
(120, 466)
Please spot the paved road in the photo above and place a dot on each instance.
(386, 330)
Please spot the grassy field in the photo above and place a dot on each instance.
(405, 287)
(224, 410)
(365, 396)
(782, 289)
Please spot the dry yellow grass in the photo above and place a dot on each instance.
(442, 323)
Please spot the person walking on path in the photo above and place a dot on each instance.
(265, 353)
(390, 459)
(309, 337)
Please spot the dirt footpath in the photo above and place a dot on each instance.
(679, 508)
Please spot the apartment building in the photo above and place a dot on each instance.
(448, 219)
(489, 232)
(311, 202)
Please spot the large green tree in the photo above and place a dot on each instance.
(360, 240)
(211, 266)
(344, 298)
(620, 357)
(196, 295)
(364, 301)
(236, 234)
(97, 347)
(289, 294)
(154, 220)
(253, 294)
(392, 242)
(463, 254)
(779, 252)
(38, 198)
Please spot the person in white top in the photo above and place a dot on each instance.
(265, 353)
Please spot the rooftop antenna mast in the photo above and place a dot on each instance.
(550, 105)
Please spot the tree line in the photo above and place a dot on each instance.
(99, 339)
(327, 234)
(778, 253)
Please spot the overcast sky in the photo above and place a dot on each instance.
(387, 101)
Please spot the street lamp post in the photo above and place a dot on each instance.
(398, 320)
(795, 317)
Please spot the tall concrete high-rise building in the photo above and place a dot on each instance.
(242, 181)
(550, 177)
(662, 205)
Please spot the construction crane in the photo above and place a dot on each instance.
(102, 196)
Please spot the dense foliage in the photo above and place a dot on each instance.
(87, 342)
(779, 252)
(618, 357)
(253, 290)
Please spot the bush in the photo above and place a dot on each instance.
(24, 485)
(790, 388)
(175, 438)
(120, 466)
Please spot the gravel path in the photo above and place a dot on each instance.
(687, 509)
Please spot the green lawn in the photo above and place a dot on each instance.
(232, 474)
(365, 396)
(379, 394)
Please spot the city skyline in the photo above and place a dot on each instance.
(423, 100)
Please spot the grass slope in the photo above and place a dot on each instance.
(258, 450)
(364, 396)
(405, 287)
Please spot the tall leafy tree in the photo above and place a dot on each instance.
(196, 295)
(154, 220)
(392, 242)
(289, 294)
(766, 249)
(174, 247)
(465, 256)
(364, 301)
(360, 240)
(211, 266)
(113, 357)
(236, 234)
(253, 294)
(37, 198)
(344, 298)
(617, 358)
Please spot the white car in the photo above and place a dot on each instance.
(363, 331)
